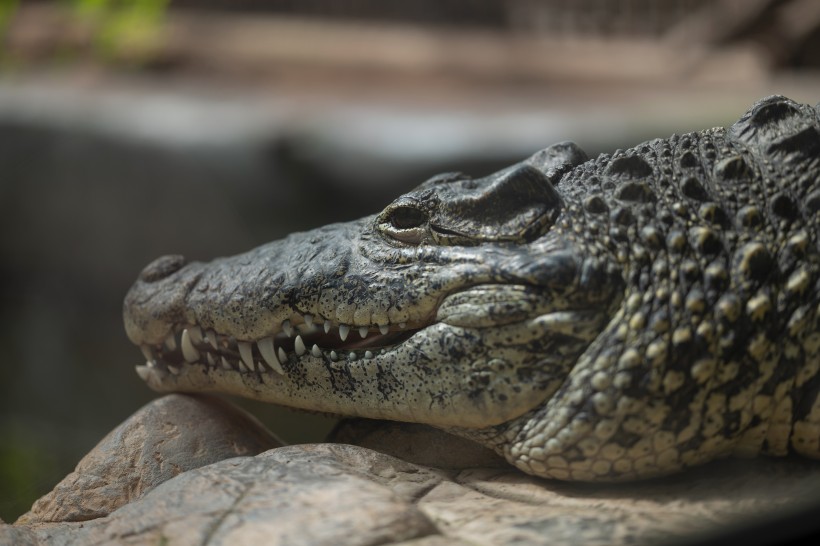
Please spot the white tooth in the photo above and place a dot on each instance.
(315, 351)
(226, 364)
(211, 359)
(277, 367)
(327, 326)
(287, 328)
(173, 369)
(283, 356)
(146, 352)
(143, 372)
(171, 342)
(268, 352)
(243, 367)
(351, 356)
(195, 332)
(212, 339)
(383, 329)
(333, 356)
(151, 363)
(299, 346)
(363, 331)
(402, 325)
(245, 351)
(188, 351)
(344, 329)
(368, 354)
(308, 320)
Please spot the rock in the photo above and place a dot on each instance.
(165, 438)
(415, 443)
(312, 494)
(337, 494)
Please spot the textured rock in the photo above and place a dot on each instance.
(419, 444)
(320, 494)
(335, 494)
(165, 438)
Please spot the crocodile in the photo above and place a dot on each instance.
(603, 319)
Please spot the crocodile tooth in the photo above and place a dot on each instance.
(344, 329)
(308, 320)
(283, 356)
(277, 367)
(368, 354)
(226, 364)
(327, 326)
(402, 325)
(333, 356)
(315, 351)
(287, 328)
(146, 352)
(211, 359)
(244, 367)
(188, 350)
(363, 331)
(151, 363)
(173, 369)
(383, 329)
(299, 346)
(268, 352)
(143, 372)
(261, 367)
(195, 333)
(351, 356)
(171, 342)
(212, 339)
(245, 351)
(273, 361)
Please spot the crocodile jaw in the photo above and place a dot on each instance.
(417, 380)
(479, 339)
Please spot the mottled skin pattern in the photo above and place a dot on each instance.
(605, 319)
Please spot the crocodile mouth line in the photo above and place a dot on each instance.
(192, 344)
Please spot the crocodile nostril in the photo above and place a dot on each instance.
(162, 267)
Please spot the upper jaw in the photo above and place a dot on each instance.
(330, 292)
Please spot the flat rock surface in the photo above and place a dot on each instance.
(343, 494)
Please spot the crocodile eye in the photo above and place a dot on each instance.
(404, 222)
(407, 218)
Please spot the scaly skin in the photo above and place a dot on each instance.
(609, 319)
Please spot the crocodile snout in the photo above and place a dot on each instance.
(162, 267)
(157, 300)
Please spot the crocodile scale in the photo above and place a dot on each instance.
(597, 319)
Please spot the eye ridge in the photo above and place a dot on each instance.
(407, 217)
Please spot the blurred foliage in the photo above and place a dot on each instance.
(122, 27)
(7, 10)
(27, 470)
(118, 29)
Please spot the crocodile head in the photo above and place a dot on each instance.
(464, 303)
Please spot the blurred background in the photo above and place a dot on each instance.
(133, 129)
